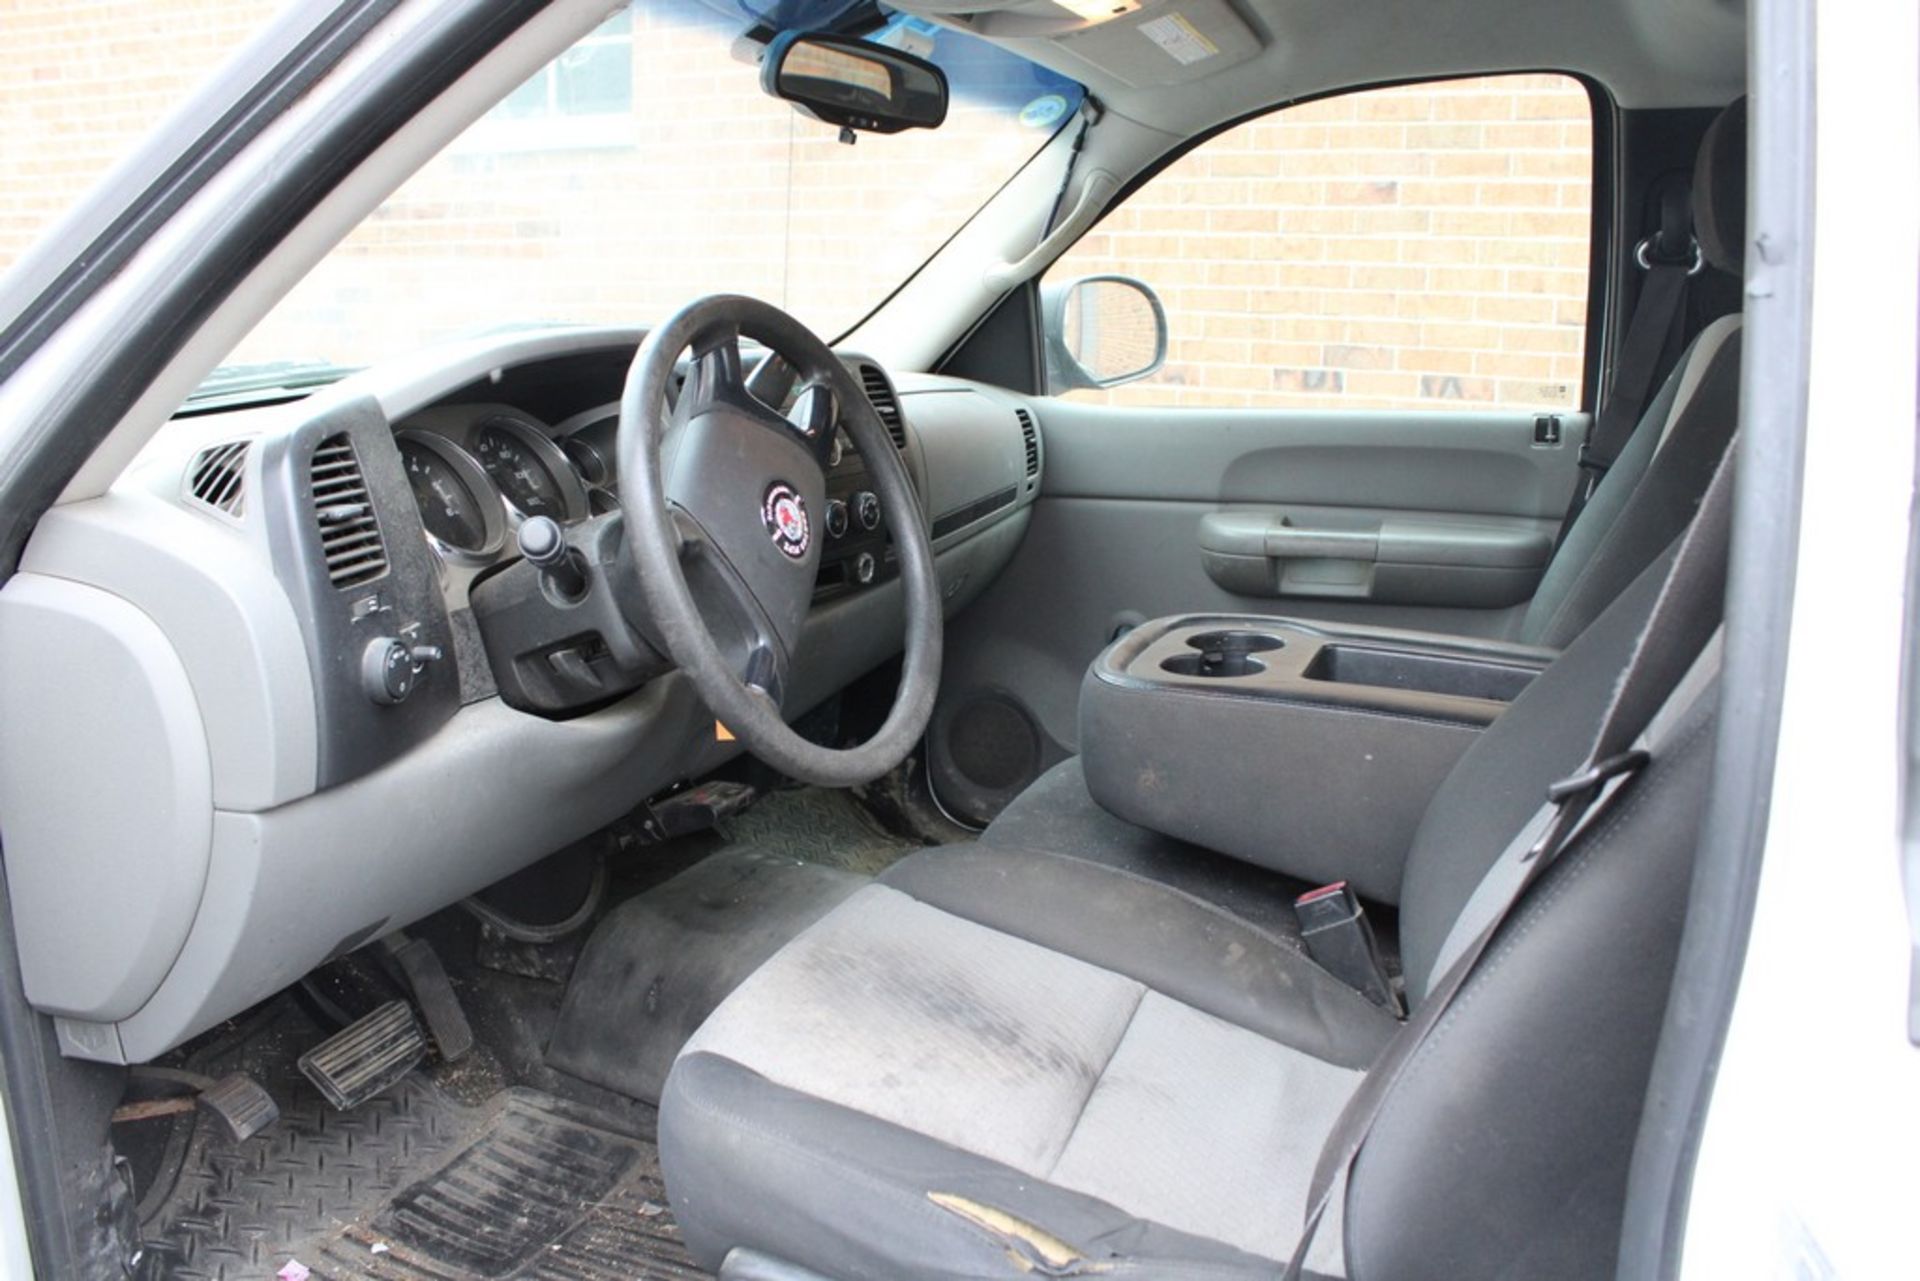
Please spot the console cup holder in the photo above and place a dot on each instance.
(1213, 663)
(1241, 643)
(1223, 654)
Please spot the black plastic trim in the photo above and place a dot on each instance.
(340, 621)
(1760, 590)
(1610, 176)
(1004, 348)
(979, 509)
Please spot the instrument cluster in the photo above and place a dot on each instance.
(478, 471)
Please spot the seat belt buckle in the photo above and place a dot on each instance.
(1592, 470)
(1340, 940)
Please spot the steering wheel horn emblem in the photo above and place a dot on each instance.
(784, 513)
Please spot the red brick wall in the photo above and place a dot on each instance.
(81, 81)
(1416, 247)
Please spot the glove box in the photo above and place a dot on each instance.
(1306, 748)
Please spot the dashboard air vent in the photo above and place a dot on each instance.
(217, 478)
(350, 537)
(1030, 436)
(885, 403)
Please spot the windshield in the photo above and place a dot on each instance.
(642, 169)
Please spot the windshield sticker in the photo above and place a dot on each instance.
(1044, 112)
(1180, 39)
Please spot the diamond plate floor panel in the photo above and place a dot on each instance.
(523, 1187)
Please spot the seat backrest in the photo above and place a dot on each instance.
(1504, 1146)
(1650, 492)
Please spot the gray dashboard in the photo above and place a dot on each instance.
(200, 801)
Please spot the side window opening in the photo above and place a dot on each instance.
(1418, 247)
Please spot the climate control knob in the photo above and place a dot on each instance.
(836, 519)
(866, 509)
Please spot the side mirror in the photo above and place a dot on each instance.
(854, 83)
(1102, 331)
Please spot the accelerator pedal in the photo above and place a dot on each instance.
(366, 1057)
(433, 992)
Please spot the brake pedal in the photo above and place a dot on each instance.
(366, 1057)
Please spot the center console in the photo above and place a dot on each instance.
(1309, 748)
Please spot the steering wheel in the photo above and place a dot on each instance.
(724, 500)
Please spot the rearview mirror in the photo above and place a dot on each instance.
(1102, 331)
(853, 83)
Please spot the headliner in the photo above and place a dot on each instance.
(1646, 53)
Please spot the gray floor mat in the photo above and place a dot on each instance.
(818, 825)
(551, 1189)
(659, 963)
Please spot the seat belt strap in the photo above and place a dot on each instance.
(1656, 314)
(1505, 880)
(1673, 661)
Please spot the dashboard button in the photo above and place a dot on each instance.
(866, 509)
(864, 568)
(836, 519)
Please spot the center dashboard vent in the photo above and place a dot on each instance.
(886, 403)
(350, 539)
(217, 477)
(1030, 437)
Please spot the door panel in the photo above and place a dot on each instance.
(1116, 539)
(1440, 460)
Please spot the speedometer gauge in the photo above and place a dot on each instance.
(529, 469)
(456, 503)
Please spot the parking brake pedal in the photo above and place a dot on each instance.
(366, 1057)
(242, 1104)
(694, 810)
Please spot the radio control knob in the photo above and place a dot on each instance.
(866, 509)
(836, 519)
